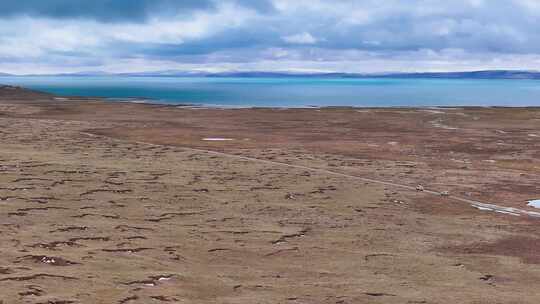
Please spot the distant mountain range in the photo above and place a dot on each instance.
(489, 74)
(493, 74)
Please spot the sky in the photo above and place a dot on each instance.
(355, 36)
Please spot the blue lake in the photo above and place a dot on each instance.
(292, 92)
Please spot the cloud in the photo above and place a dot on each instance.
(239, 34)
(303, 38)
(103, 10)
(116, 10)
(26, 36)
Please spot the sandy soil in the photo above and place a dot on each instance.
(122, 203)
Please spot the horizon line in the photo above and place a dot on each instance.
(196, 72)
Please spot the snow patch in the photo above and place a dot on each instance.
(503, 210)
(433, 111)
(217, 139)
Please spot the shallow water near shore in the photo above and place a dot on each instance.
(534, 203)
(291, 92)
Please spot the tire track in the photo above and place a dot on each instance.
(484, 206)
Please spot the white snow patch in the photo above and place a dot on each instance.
(433, 111)
(438, 123)
(217, 139)
(482, 208)
(164, 279)
(503, 210)
(506, 212)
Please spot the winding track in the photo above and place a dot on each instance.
(476, 204)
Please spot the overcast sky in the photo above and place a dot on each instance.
(49, 36)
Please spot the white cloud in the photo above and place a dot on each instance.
(32, 37)
(533, 5)
(302, 38)
(359, 35)
(200, 25)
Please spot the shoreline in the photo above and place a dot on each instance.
(161, 103)
(286, 94)
(148, 101)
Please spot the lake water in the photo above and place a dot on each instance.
(293, 92)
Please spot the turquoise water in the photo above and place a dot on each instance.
(293, 92)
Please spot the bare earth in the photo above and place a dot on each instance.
(125, 203)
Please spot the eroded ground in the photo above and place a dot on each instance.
(89, 215)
